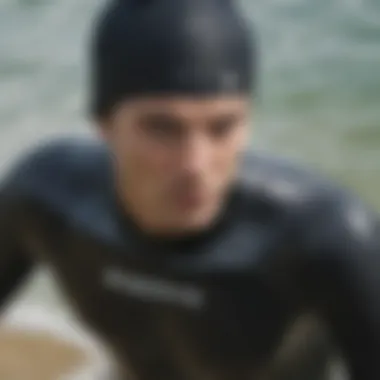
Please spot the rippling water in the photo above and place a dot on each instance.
(319, 99)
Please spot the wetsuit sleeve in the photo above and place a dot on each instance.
(341, 279)
(15, 263)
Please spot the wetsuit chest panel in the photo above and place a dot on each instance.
(204, 310)
(239, 324)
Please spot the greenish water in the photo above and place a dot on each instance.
(319, 98)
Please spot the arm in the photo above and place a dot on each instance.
(34, 171)
(15, 264)
(342, 279)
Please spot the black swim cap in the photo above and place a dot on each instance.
(168, 47)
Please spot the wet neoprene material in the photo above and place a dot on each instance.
(166, 47)
(290, 276)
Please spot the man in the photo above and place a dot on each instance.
(188, 258)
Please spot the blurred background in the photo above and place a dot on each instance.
(319, 100)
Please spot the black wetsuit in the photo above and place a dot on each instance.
(288, 275)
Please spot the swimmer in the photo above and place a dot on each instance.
(190, 258)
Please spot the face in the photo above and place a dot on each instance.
(175, 158)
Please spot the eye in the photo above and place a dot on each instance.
(222, 127)
(161, 126)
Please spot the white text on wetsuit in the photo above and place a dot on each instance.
(152, 288)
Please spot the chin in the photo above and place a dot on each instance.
(196, 222)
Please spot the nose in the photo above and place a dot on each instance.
(196, 154)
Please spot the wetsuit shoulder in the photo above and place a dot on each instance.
(340, 241)
(56, 166)
(287, 187)
(37, 176)
(334, 240)
(321, 214)
(69, 178)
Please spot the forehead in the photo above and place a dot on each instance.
(187, 107)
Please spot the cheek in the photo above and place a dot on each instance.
(230, 149)
(227, 159)
(241, 140)
(138, 156)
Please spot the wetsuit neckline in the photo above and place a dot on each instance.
(184, 243)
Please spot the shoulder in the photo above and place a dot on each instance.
(69, 178)
(288, 190)
(318, 212)
(58, 166)
(284, 182)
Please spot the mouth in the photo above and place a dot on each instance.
(190, 200)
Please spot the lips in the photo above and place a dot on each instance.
(190, 200)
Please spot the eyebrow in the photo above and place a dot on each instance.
(159, 115)
(230, 116)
